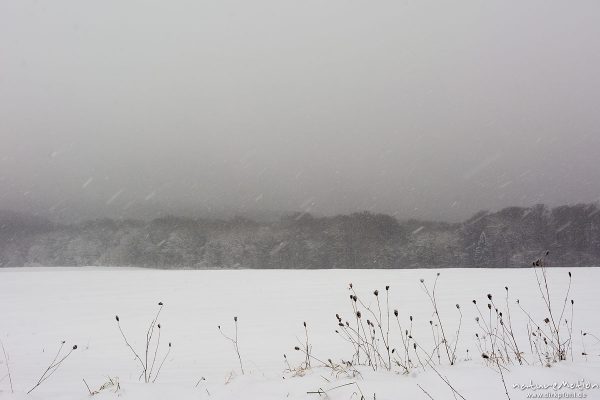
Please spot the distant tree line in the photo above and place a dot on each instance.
(511, 237)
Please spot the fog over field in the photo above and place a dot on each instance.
(275, 199)
(415, 109)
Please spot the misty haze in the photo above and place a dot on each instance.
(172, 119)
(259, 109)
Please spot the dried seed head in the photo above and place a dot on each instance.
(304, 324)
(387, 287)
(476, 319)
(474, 301)
(506, 287)
(158, 326)
(117, 318)
(235, 319)
(483, 355)
(395, 313)
(421, 280)
(489, 296)
(354, 298)
(350, 285)
(438, 274)
(569, 274)
(297, 348)
(74, 347)
(572, 302)
(358, 314)
(415, 346)
(489, 306)
(376, 292)
(457, 306)
(160, 303)
(411, 318)
(547, 320)
(340, 324)
(431, 322)
(548, 252)
(169, 344)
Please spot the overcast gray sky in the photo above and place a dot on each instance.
(415, 108)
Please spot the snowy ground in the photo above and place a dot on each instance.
(39, 307)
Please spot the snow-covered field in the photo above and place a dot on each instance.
(40, 307)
